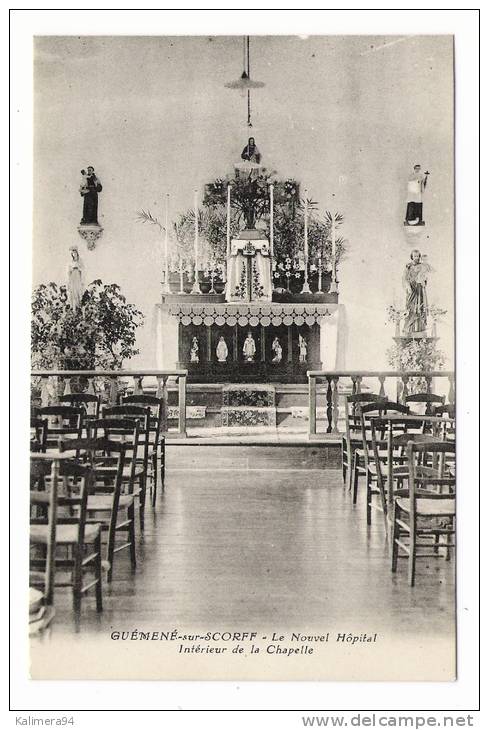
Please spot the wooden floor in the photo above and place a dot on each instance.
(244, 536)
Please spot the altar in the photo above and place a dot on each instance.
(252, 302)
(181, 323)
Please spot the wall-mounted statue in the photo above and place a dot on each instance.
(76, 284)
(222, 350)
(249, 348)
(194, 350)
(415, 280)
(415, 188)
(302, 349)
(277, 349)
(90, 187)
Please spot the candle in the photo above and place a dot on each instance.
(228, 222)
(196, 288)
(305, 288)
(271, 221)
(334, 284)
(167, 264)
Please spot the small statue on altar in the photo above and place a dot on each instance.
(249, 348)
(222, 350)
(415, 281)
(302, 349)
(277, 349)
(76, 285)
(251, 153)
(194, 350)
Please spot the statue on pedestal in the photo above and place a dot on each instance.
(251, 153)
(90, 187)
(76, 285)
(222, 350)
(249, 348)
(415, 280)
(416, 185)
(194, 350)
(302, 349)
(277, 349)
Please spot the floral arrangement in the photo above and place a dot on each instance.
(100, 334)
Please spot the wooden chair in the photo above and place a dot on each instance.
(81, 542)
(156, 435)
(429, 400)
(371, 452)
(125, 430)
(426, 512)
(109, 504)
(447, 409)
(63, 422)
(39, 434)
(352, 439)
(141, 415)
(44, 578)
(88, 402)
(387, 452)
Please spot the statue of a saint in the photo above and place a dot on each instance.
(251, 153)
(415, 188)
(249, 348)
(76, 285)
(277, 349)
(222, 350)
(302, 349)
(415, 280)
(90, 187)
(194, 350)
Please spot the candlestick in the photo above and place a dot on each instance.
(228, 222)
(196, 287)
(181, 269)
(320, 274)
(334, 283)
(305, 288)
(167, 263)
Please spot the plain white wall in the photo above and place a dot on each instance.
(343, 114)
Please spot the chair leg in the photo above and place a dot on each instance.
(162, 466)
(155, 478)
(110, 551)
(142, 500)
(132, 535)
(412, 554)
(369, 498)
(395, 546)
(355, 477)
(98, 573)
(77, 579)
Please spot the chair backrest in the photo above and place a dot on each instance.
(83, 400)
(352, 415)
(139, 414)
(106, 459)
(62, 421)
(429, 399)
(119, 430)
(423, 486)
(156, 406)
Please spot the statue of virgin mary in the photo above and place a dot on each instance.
(76, 272)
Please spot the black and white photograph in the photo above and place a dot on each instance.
(243, 408)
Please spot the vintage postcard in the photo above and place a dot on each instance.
(243, 378)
